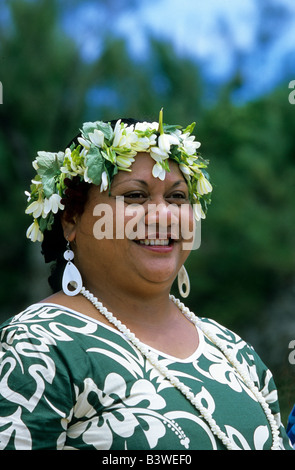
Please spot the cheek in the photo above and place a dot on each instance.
(116, 221)
(188, 227)
(183, 219)
(132, 218)
(104, 221)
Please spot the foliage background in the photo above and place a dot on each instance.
(244, 273)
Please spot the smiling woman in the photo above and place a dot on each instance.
(112, 360)
(141, 267)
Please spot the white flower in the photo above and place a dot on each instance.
(124, 161)
(203, 185)
(185, 170)
(198, 211)
(28, 196)
(119, 140)
(86, 177)
(84, 143)
(173, 139)
(104, 182)
(157, 154)
(143, 126)
(164, 143)
(42, 207)
(166, 140)
(53, 204)
(68, 154)
(162, 151)
(152, 140)
(70, 165)
(35, 165)
(73, 166)
(36, 181)
(158, 172)
(36, 207)
(97, 138)
(127, 140)
(191, 161)
(34, 233)
(142, 144)
(189, 144)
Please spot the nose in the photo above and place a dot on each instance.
(162, 219)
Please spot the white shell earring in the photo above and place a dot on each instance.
(71, 280)
(183, 282)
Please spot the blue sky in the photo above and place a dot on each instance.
(212, 32)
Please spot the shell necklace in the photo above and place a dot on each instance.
(151, 357)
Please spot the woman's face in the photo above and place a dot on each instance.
(132, 238)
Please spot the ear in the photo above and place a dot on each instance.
(69, 227)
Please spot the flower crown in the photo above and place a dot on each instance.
(103, 151)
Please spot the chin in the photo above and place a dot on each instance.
(157, 272)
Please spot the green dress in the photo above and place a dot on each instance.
(70, 382)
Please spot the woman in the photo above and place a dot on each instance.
(134, 370)
(291, 427)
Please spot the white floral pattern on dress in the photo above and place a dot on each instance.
(94, 390)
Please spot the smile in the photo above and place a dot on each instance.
(154, 242)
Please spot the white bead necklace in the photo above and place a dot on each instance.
(151, 357)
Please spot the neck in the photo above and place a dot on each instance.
(149, 307)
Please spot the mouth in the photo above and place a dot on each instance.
(156, 244)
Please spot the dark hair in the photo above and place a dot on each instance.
(54, 243)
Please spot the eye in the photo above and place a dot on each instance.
(135, 196)
(180, 196)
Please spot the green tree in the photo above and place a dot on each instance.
(246, 257)
(49, 90)
(44, 85)
(248, 238)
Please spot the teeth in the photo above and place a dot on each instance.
(154, 242)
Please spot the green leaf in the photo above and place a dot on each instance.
(46, 224)
(95, 164)
(165, 165)
(111, 170)
(169, 128)
(189, 128)
(160, 128)
(106, 128)
(49, 168)
(206, 174)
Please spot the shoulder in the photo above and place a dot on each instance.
(36, 312)
(45, 320)
(47, 336)
(221, 332)
(231, 342)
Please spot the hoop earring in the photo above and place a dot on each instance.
(71, 280)
(183, 281)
